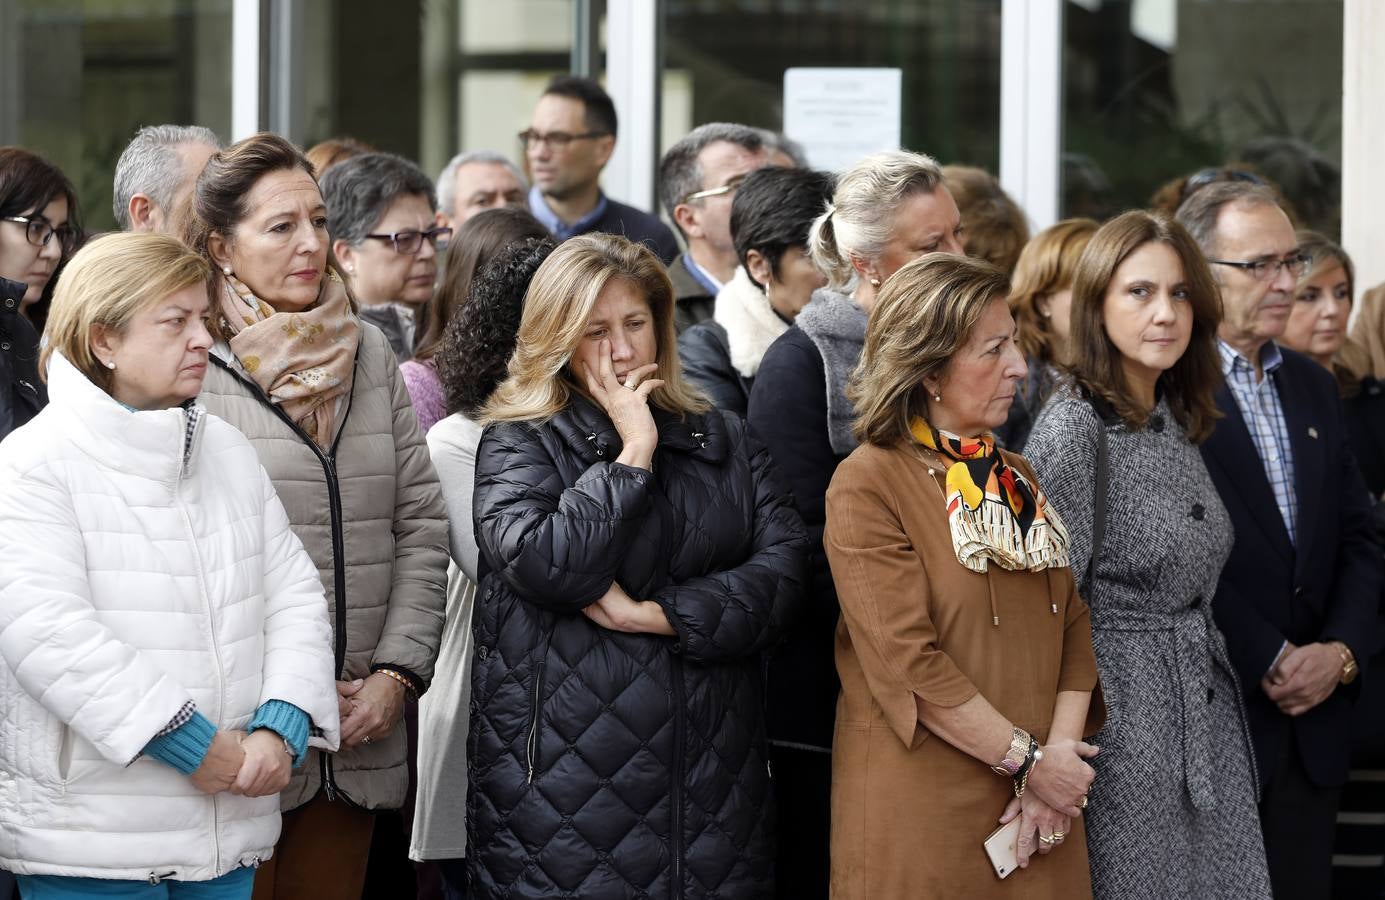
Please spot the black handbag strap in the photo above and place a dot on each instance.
(1103, 467)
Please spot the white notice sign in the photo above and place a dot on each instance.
(841, 115)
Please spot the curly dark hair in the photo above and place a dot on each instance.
(478, 342)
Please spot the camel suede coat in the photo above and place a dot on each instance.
(909, 810)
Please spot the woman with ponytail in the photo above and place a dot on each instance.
(887, 210)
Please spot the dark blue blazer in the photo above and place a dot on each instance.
(1324, 588)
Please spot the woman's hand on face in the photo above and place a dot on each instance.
(1062, 778)
(221, 763)
(626, 404)
(267, 765)
(617, 611)
(1042, 828)
(375, 709)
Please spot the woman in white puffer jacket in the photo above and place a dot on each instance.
(165, 652)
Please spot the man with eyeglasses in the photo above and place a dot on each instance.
(1298, 598)
(570, 138)
(698, 178)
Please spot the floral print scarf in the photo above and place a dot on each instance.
(303, 361)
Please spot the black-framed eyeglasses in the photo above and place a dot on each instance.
(558, 140)
(39, 232)
(1265, 269)
(409, 242)
(728, 188)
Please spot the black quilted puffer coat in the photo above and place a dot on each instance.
(605, 764)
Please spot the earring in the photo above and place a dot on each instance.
(350, 270)
(937, 398)
(875, 282)
(111, 365)
(226, 270)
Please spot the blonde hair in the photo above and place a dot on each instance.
(1326, 253)
(1046, 266)
(860, 218)
(923, 316)
(108, 282)
(558, 304)
(1353, 360)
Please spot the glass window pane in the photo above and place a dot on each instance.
(725, 61)
(90, 73)
(1159, 89)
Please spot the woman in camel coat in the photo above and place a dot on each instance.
(964, 651)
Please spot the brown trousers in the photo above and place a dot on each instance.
(322, 853)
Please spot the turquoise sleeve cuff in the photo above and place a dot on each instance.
(285, 720)
(183, 747)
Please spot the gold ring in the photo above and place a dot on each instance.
(1050, 840)
(1083, 804)
(365, 740)
(1059, 835)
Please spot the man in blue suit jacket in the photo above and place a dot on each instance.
(1299, 597)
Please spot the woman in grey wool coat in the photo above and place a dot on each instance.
(1172, 812)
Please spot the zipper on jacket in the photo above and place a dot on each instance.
(329, 468)
(156, 877)
(676, 792)
(531, 744)
(189, 436)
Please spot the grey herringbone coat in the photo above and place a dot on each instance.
(1173, 810)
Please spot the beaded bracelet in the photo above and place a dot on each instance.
(408, 685)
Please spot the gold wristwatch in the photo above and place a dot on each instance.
(1349, 669)
(1015, 756)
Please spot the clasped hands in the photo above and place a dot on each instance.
(1303, 677)
(1055, 794)
(369, 708)
(249, 765)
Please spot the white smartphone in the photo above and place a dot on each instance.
(1002, 847)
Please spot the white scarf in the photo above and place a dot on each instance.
(751, 323)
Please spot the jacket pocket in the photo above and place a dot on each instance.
(65, 741)
(532, 739)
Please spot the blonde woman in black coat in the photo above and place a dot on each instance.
(637, 562)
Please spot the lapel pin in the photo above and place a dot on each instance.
(1312, 432)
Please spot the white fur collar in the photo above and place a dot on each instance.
(751, 323)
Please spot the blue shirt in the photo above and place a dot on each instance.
(1264, 417)
(701, 275)
(561, 230)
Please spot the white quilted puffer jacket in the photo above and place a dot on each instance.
(145, 561)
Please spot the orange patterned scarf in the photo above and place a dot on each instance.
(994, 513)
(303, 361)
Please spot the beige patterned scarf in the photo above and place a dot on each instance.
(303, 361)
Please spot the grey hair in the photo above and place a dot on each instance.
(150, 165)
(786, 145)
(860, 217)
(679, 172)
(359, 192)
(447, 181)
(1200, 212)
